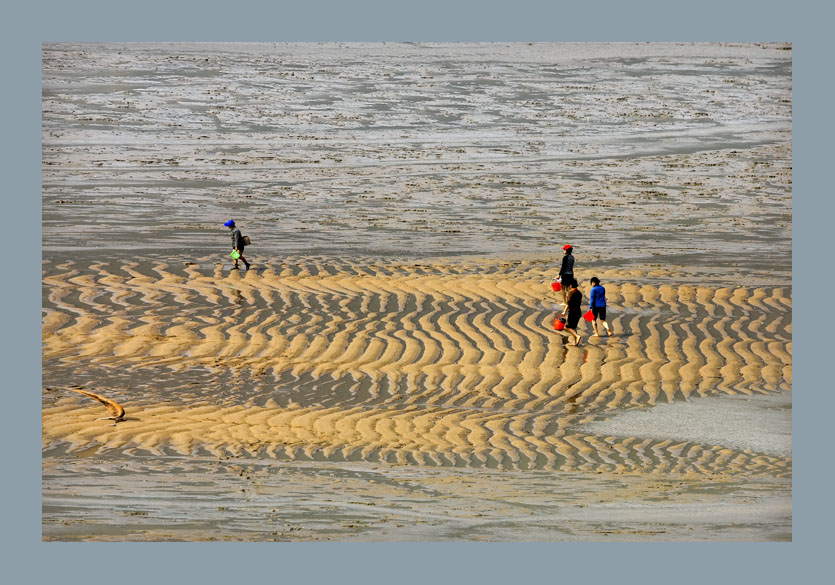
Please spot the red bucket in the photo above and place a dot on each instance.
(556, 286)
(559, 323)
(589, 316)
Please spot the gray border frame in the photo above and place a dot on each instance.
(28, 25)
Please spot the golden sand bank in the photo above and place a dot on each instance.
(422, 364)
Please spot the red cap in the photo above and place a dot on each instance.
(567, 247)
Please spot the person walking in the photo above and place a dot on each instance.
(572, 310)
(597, 304)
(566, 271)
(237, 243)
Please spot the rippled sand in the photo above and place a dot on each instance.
(425, 364)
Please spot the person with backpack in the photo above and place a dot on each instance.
(597, 304)
(238, 243)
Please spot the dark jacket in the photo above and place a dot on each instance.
(567, 268)
(237, 240)
(574, 300)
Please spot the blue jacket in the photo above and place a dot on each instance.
(597, 297)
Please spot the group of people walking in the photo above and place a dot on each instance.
(571, 295)
(573, 298)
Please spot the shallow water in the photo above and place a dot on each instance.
(761, 423)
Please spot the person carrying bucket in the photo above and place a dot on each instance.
(597, 304)
(566, 271)
(572, 309)
(238, 244)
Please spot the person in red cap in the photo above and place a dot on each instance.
(566, 270)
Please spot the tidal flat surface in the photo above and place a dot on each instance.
(388, 370)
(634, 152)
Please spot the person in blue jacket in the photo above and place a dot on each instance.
(597, 302)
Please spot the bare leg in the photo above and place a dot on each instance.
(245, 262)
(576, 337)
(606, 325)
(594, 324)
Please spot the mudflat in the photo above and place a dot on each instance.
(388, 370)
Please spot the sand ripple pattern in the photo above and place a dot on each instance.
(427, 364)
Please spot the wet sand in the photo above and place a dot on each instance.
(641, 152)
(252, 499)
(389, 369)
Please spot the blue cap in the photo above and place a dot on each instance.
(230, 223)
